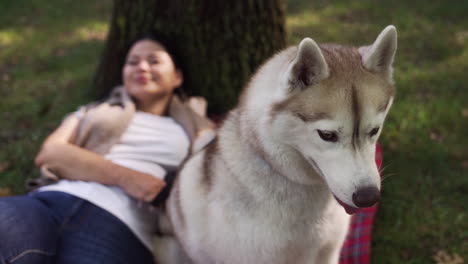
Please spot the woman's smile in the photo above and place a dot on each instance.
(142, 79)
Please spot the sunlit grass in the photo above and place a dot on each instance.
(48, 57)
(92, 31)
(303, 19)
(11, 37)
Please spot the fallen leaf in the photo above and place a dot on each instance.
(435, 136)
(4, 166)
(393, 145)
(6, 77)
(5, 192)
(465, 112)
(60, 52)
(443, 257)
(464, 164)
(461, 37)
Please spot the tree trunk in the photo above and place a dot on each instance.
(221, 43)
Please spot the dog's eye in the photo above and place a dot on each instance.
(328, 135)
(374, 131)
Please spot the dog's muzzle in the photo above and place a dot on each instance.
(362, 198)
(366, 196)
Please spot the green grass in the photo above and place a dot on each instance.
(49, 51)
(48, 54)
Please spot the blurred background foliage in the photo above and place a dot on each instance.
(49, 51)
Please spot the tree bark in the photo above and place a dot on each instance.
(221, 42)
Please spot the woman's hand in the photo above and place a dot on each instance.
(55, 146)
(141, 186)
(50, 156)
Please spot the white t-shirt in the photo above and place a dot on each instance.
(151, 144)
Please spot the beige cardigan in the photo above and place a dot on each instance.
(103, 123)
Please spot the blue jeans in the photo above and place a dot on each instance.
(55, 227)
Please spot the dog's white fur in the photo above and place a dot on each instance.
(264, 191)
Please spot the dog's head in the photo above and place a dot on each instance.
(334, 100)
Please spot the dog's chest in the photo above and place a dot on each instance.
(279, 235)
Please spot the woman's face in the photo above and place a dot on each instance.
(149, 73)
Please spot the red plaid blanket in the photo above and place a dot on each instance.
(357, 247)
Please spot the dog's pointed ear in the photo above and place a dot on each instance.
(379, 56)
(308, 67)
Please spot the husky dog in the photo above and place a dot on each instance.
(292, 161)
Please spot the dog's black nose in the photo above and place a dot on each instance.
(366, 197)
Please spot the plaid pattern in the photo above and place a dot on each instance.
(357, 246)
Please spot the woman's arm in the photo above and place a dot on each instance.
(75, 163)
